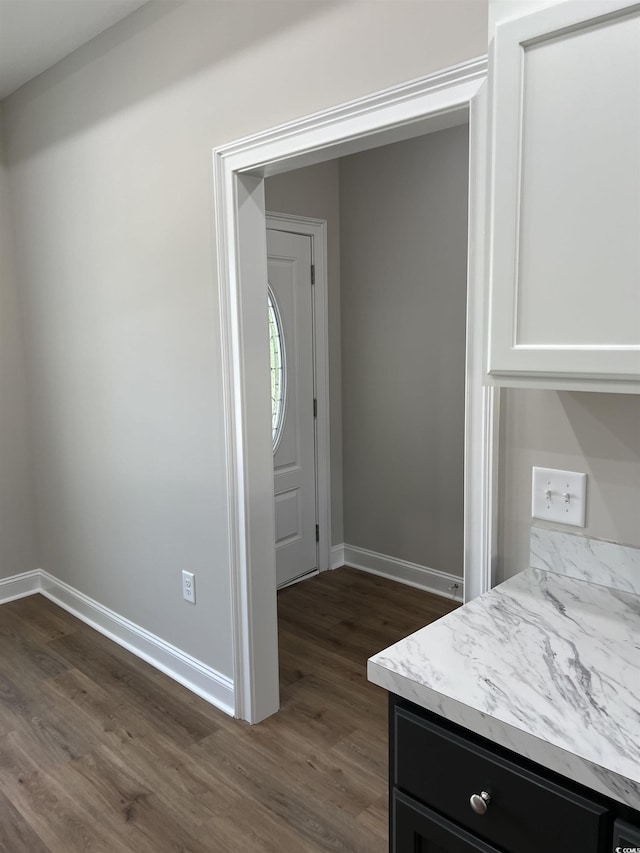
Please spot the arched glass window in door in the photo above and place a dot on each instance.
(278, 366)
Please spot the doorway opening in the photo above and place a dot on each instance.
(434, 103)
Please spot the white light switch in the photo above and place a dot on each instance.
(559, 496)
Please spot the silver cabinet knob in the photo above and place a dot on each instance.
(480, 802)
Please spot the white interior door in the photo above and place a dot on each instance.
(292, 385)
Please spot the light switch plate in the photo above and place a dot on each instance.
(559, 496)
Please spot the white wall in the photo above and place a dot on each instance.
(18, 551)
(598, 434)
(403, 238)
(110, 168)
(314, 192)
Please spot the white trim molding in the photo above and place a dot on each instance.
(192, 673)
(411, 574)
(482, 403)
(448, 98)
(19, 586)
(337, 556)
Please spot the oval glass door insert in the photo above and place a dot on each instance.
(278, 368)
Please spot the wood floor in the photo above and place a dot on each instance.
(100, 752)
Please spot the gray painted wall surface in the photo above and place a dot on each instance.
(598, 434)
(110, 167)
(18, 551)
(314, 192)
(403, 222)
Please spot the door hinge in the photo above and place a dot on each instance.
(315, 407)
(313, 273)
(317, 532)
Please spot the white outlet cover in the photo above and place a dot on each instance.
(189, 587)
(559, 496)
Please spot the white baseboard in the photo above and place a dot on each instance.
(19, 586)
(195, 675)
(336, 557)
(412, 574)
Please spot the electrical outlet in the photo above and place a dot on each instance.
(559, 496)
(189, 587)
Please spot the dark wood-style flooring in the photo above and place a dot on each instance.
(101, 752)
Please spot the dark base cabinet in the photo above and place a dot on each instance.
(452, 791)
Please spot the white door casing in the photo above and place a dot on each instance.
(289, 274)
(482, 402)
(431, 103)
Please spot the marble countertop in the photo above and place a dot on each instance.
(545, 665)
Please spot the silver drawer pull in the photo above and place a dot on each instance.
(480, 802)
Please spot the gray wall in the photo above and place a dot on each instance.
(314, 192)
(403, 237)
(110, 167)
(598, 434)
(17, 505)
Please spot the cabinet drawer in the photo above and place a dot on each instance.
(526, 813)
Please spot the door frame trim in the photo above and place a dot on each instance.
(317, 230)
(430, 103)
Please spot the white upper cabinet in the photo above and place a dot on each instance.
(565, 198)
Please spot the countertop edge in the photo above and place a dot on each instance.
(546, 754)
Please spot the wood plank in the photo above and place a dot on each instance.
(46, 807)
(104, 786)
(302, 806)
(37, 619)
(132, 680)
(15, 833)
(376, 817)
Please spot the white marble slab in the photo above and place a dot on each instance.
(592, 560)
(545, 665)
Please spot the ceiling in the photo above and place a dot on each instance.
(35, 34)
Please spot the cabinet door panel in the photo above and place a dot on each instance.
(565, 270)
(416, 829)
(579, 264)
(625, 836)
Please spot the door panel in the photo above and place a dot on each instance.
(288, 516)
(289, 272)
